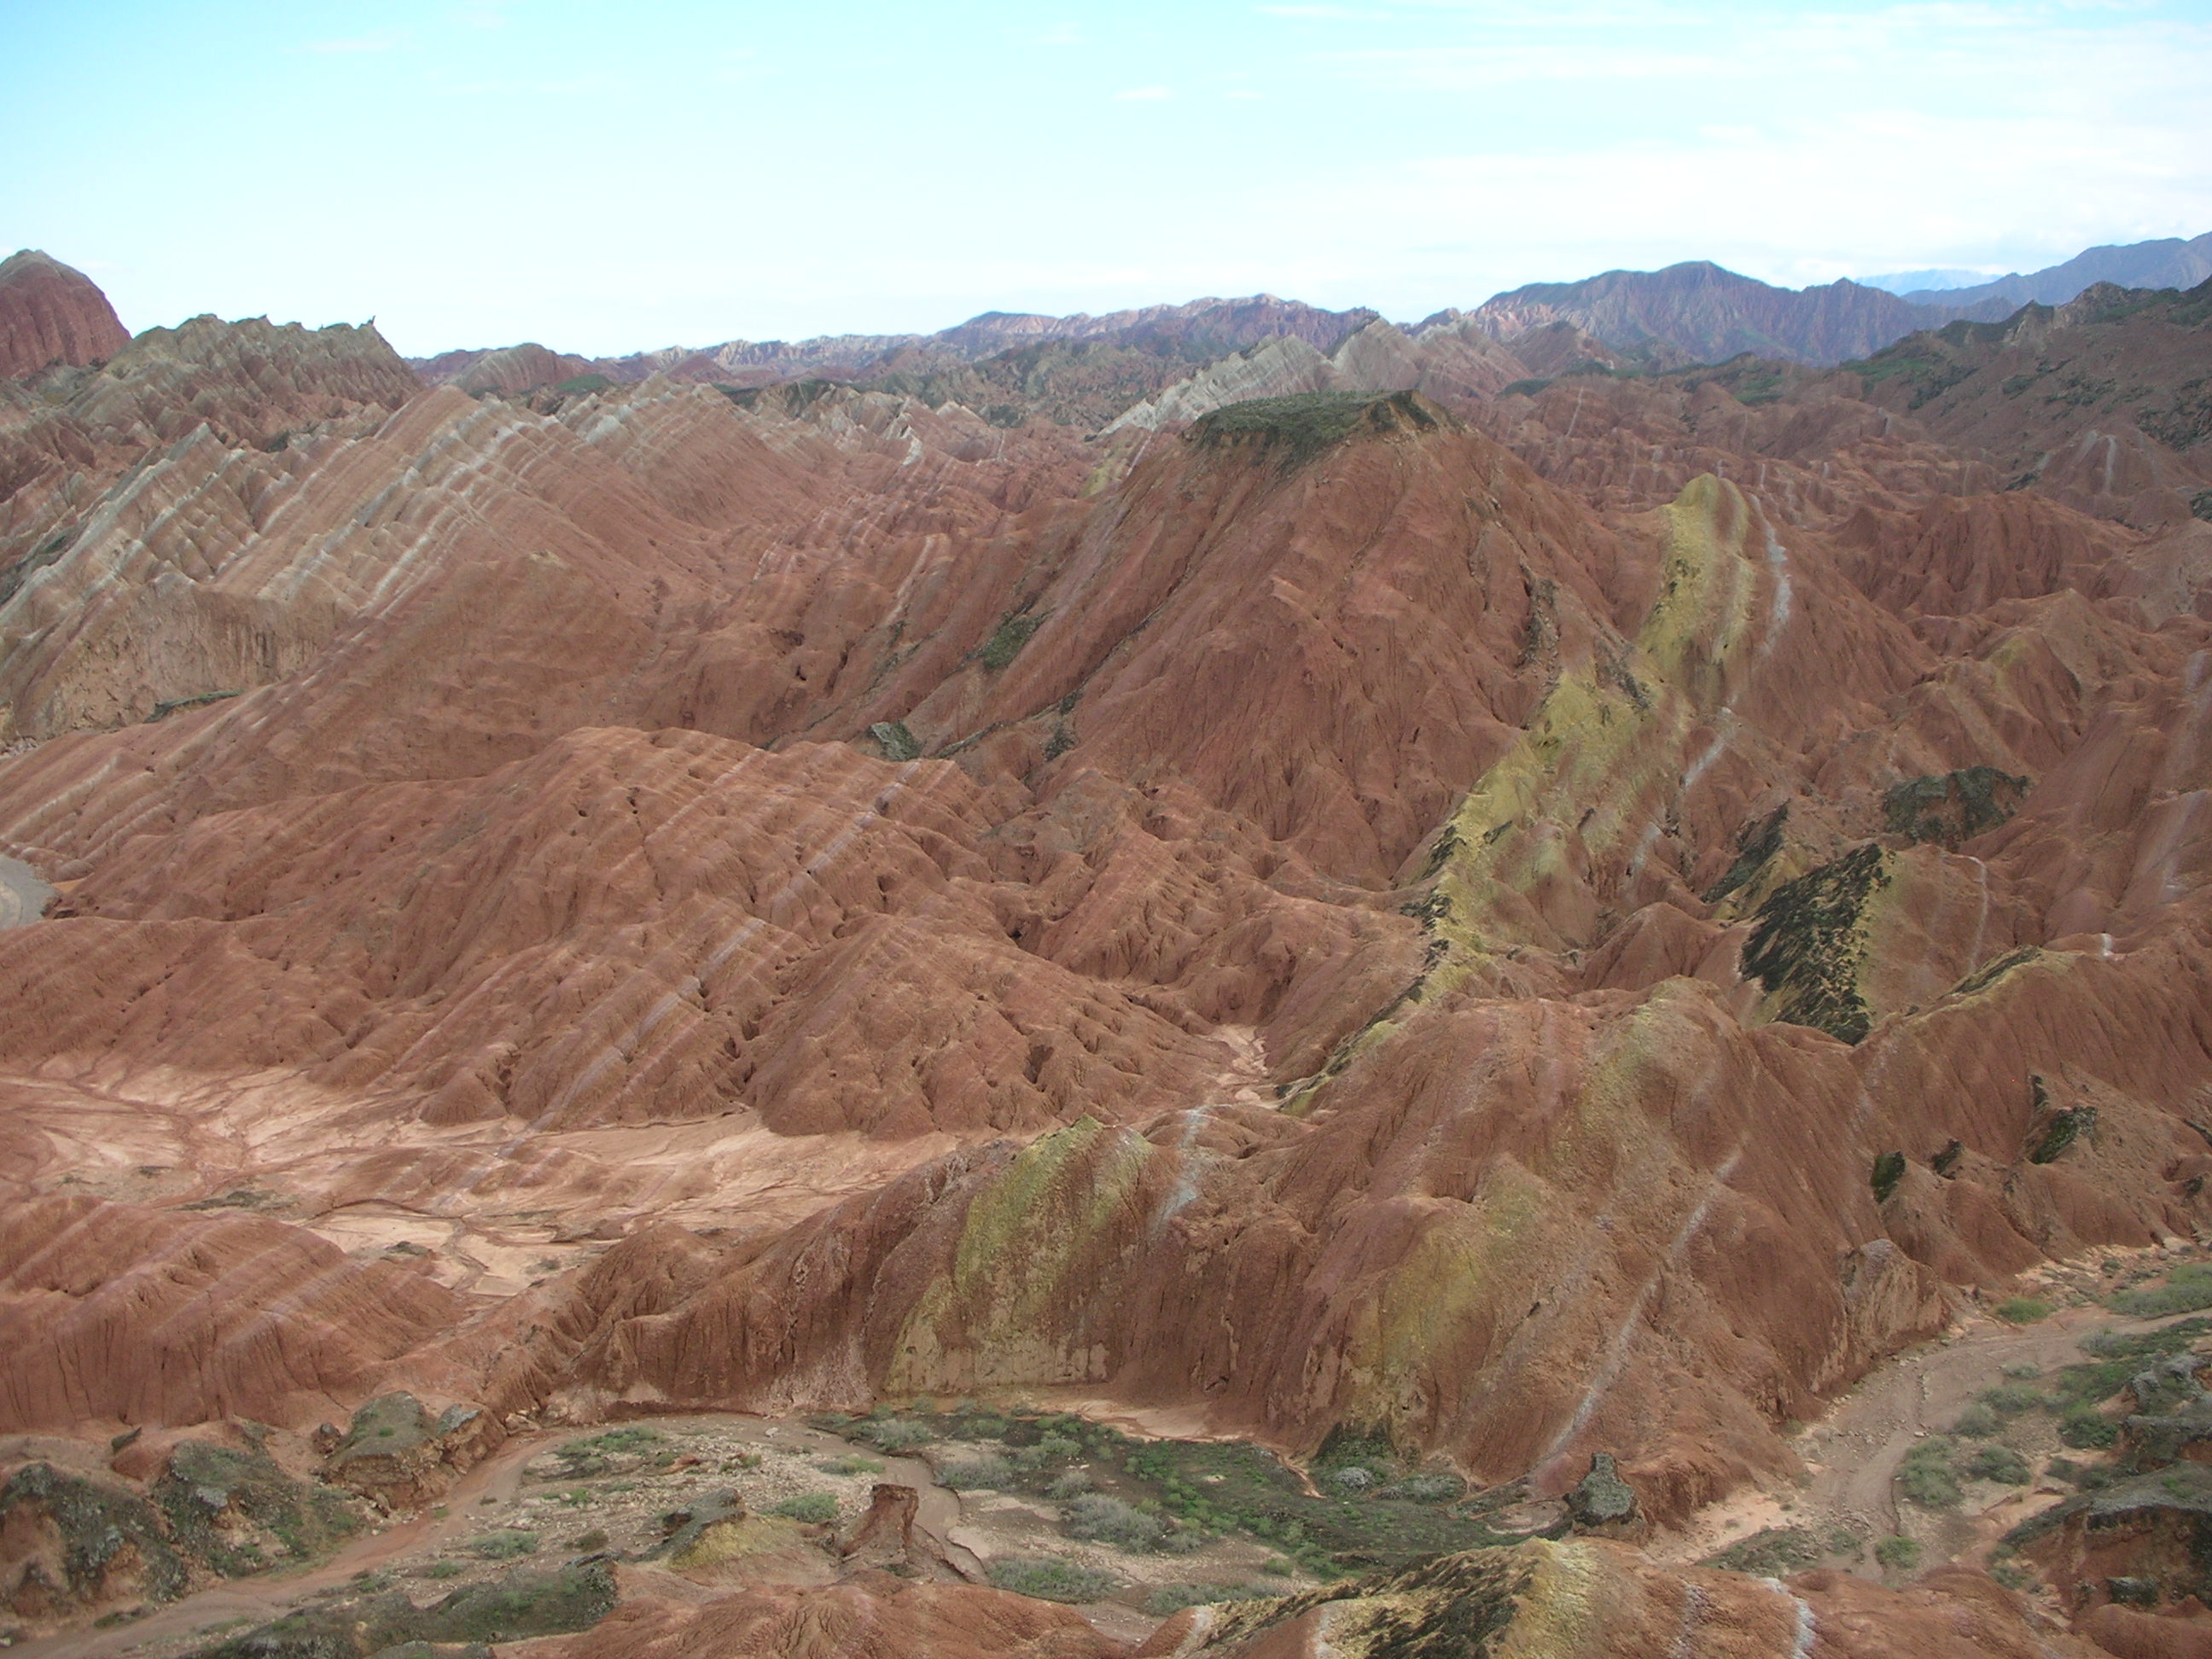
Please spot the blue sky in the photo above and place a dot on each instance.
(616, 177)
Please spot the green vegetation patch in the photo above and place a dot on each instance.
(2187, 1288)
(816, 1509)
(98, 1524)
(2061, 1131)
(1756, 843)
(1926, 1476)
(206, 1488)
(1296, 429)
(1775, 1553)
(1951, 807)
(512, 1608)
(1175, 1495)
(1805, 946)
(1898, 1553)
(1888, 1170)
(2022, 1309)
(898, 744)
(578, 385)
(1165, 1599)
(1013, 632)
(1050, 1578)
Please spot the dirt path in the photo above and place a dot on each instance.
(1853, 1453)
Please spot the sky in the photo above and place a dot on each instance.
(608, 178)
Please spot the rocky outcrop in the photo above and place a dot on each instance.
(397, 1454)
(50, 315)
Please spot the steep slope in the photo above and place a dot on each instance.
(49, 314)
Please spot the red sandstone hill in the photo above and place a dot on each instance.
(1317, 913)
(49, 314)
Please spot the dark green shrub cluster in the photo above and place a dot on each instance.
(817, 1509)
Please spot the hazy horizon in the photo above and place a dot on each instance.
(478, 173)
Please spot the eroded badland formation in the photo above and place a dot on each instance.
(1439, 986)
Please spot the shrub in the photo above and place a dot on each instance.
(2022, 1372)
(817, 1509)
(1275, 1567)
(1165, 1599)
(2022, 1309)
(1977, 1422)
(1352, 1478)
(443, 1569)
(2086, 1429)
(854, 1465)
(1899, 1554)
(1109, 1521)
(972, 1472)
(1999, 1464)
(1059, 1446)
(1437, 1488)
(2187, 1289)
(504, 1546)
(892, 1434)
(1051, 1579)
(1925, 1477)
(2011, 1399)
(596, 1539)
(1071, 1485)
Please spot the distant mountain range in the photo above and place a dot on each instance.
(1085, 371)
(2167, 263)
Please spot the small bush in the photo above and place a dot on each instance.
(1109, 1521)
(1058, 1447)
(1925, 1477)
(852, 1465)
(1899, 1554)
(817, 1509)
(971, 1473)
(1275, 1567)
(1352, 1478)
(892, 1434)
(2022, 1309)
(1977, 1422)
(504, 1546)
(2086, 1429)
(1070, 1486)
(444, 1569)
(2022, 1372)
(596, 1539)
(2011, 1399)
(1050, 1578)
(1999, 1464)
